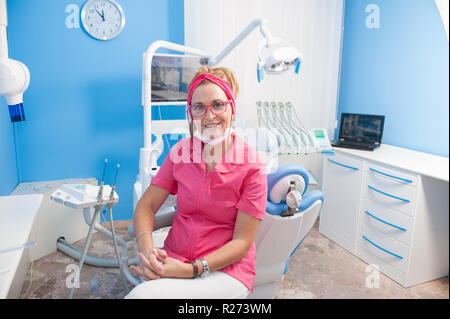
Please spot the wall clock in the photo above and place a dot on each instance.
(102, 19)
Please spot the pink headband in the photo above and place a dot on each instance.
(224, 85)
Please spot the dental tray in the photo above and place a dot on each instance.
(81, 195)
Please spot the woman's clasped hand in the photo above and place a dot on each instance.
(155, 264)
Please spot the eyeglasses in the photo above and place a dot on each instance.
(216, 107)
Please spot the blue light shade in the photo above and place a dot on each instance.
(297, 66)
(259, 73)
(16, 112)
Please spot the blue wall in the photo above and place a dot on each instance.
(84, 100)
(399, 70)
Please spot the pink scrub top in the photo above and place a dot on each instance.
(207, 203)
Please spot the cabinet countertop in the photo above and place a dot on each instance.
(418, 162)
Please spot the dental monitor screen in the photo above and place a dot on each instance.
(171, 75)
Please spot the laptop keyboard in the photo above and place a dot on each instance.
(354, 144)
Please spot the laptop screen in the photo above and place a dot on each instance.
(361, 127)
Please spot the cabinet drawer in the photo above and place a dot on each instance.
(341, 186)
(390, 222)
(384, 247)
(390, 193)
(391, 174)
(344, 164)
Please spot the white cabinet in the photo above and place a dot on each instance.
(343, 177)
(388, 216)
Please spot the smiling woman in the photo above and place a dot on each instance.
(220, 203)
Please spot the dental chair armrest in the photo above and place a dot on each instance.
(275, 209)
(310, 199)
(162, 219)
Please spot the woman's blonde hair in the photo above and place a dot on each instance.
(221, 72)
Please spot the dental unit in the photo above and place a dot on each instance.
(14, 75)
(292, 136)
(89, 197)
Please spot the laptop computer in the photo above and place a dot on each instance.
(360, 131)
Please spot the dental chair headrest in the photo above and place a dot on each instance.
(278, 182)
(281, 188)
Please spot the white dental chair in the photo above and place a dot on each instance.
(288, 220)
(290, 215)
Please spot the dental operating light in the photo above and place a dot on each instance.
(14, 75)
(282, 57)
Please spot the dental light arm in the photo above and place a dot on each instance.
(14, 75)
(261, 23)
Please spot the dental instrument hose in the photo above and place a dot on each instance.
(113, 231)
(116, 249)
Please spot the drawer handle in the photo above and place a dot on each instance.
(403, 199)
(383, 221)
(402, 179)
(351, 167)
(398, 256)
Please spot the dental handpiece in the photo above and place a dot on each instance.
(258, 112)
(113, 189)
(100, 190)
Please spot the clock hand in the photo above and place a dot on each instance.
(103, 15)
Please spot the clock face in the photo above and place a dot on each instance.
(102, 19)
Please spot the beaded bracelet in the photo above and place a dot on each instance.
(206, 270)
(142, 233)
(194, 264)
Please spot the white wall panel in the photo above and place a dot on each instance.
(312, 26)
(442, 5)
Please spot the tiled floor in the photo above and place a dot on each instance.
(319, 269)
